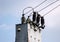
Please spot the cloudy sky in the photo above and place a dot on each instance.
(10, 14)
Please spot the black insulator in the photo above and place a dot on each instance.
(38, 18)
(42, 21)
(34, 16)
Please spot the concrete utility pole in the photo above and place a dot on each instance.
(30, 31)
(26, 33)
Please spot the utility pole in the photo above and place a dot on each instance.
(30, 30)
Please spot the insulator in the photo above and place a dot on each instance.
(23, 19)
(38, 18)
(34, 16)
(42, 21)
(28, 20)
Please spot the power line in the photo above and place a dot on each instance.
(48, 5)
(51, 10)
(40, 4)
(36, 6)
(26, 8)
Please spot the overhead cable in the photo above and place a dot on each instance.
(36, 6)
(26, 8)
(51, 10)
(48, 5)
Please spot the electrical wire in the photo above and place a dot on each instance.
(51, 10)
(45, 7)
(48, 5)
(26, 8)
(36, 6)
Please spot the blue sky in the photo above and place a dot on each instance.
(10, 14)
